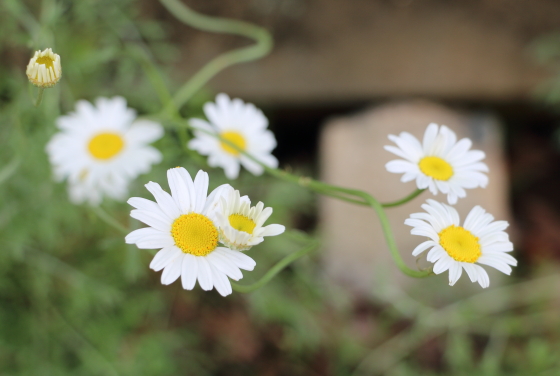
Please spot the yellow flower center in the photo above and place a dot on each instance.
(46, 61)
(105, 145)
(195, 234)
(242, 223)
(436, 168)
(235, 138)
(460, 244)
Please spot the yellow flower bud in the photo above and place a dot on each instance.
(44, 68)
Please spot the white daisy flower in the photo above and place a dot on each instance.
(243, 125)
(99, 149)
(440, 163)
(240, 225)
(44, 69)
(181, 225)
(454, 247)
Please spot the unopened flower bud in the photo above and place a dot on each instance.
(44, 69)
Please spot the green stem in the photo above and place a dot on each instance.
(199, 21)
(107, 218)
(275, 269)
(390, 239)
(39, 97)
(408, 198)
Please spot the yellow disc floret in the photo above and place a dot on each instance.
(460, 244)
(105, 145)
(242, 223)
(235, 138)
(195, 234)
(436, 168)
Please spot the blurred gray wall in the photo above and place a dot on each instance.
(333, 50)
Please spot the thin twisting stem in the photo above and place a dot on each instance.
(199, 21)
(390, 239)
(408, 198)
(275, 269)
(39, 97)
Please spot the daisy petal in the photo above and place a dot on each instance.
(189, 272)
(204, 274)
(241, 260)
(221, 282)
(163, 199)
(182, 188)
(164, 257)
(172, 271)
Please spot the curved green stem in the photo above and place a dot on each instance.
(9, 169)
(280, 265)
(261, 48)
(408, 198)
(107, 218)
(390, 239)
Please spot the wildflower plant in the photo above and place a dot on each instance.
(105, 152)
(102, 149)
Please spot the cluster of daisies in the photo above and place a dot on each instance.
(440, 163)
(100, 149)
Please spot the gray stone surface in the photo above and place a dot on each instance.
(352, 155)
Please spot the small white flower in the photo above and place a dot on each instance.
(181, 225)
(240, 225)
(44, 69)
(454, 247)
(243, 125)
(440, 163)
(100, 149)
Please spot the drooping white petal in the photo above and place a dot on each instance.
(172, 271)
(221, 282)
(164, 257)
(223, 264)
(241, 260)
(189, 272)
(422, 247)
(204, 274)
(496, 263)
(454, 273)
(471, 270)
(483, 278)
(443, 264)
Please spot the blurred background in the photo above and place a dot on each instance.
(76, 300)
